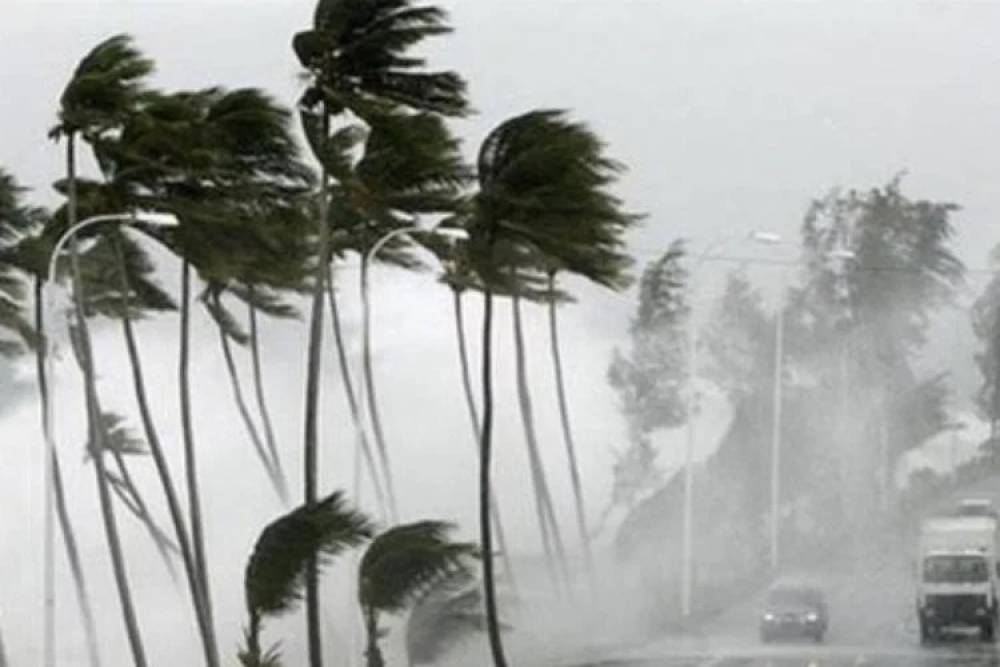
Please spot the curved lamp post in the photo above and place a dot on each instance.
(365, 344)
(149, 218)
(366, 315)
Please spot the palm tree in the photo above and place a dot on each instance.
(99, 97)
(275, 574)
(567, 430)
(352, 402)
(224, 162)
(118, 279)
(545, 508)
(229, 329)
(411, 167)
(398, 568)
(459, 278)
(358, 58)
(542, 185)
(24, 252)
(442, 617)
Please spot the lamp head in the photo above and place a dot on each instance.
(157, 219)
(453, 233)
(767, 238)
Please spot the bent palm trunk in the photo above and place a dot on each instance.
(574, 469)
(241, 405)
(125, 488)
(62, 512)
(352, 403)
(470, 402)
(97, 435)
(208, 641)
(485, 486)
(549, 526)
(373, 412)
(265, 413)
(373, 652)
(190, 459)
(309, 445)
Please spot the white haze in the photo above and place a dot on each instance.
(731, 116)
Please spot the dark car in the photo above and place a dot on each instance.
(794, 611)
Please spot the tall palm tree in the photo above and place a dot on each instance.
(459, 277)
(398, 568)
(24, 252)
(564, 420)
(229, 329)
(352, 402)
(545, 508)
(358, 56)
(275, 573)
(100, 95)
(543, 183)
(411, 167)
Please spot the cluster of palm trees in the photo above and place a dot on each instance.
(261, 228)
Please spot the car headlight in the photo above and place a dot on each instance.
(812, 617)
(769, 617)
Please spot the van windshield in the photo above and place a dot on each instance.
(955, 569)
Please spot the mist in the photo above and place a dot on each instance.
(730, 118)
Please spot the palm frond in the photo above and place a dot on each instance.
(276, 570)
(211, 298)
(401, 563)
(103, 88)
(544, 182)
(270, 658)
(118, 436)
(359, 55)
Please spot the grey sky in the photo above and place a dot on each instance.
(731, 116)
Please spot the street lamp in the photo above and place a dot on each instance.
(366, 314)
(765, 238)
(150, 218)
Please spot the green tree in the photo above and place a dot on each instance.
(411, 167)
(277, 569)
(357, 55)
(986, 325)
(225, 163)
(543, 184)
(739, 340)
(650, 379)
(866, 316)
(100, 95)
(399, 567)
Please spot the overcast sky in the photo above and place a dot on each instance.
(730, 116)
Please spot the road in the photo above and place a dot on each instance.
(872, 624)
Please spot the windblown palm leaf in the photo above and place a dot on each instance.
(274, 574)
(401, 563)
(543, 181)
(103, 88)
(17, 221)
(358, 54)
